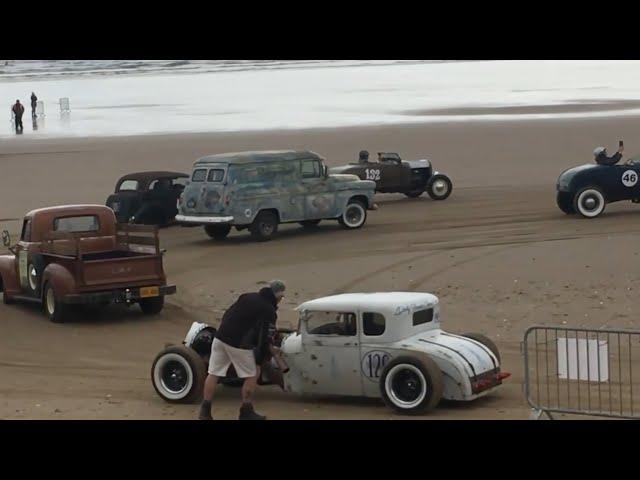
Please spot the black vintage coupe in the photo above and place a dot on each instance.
(587, 189)
(147, 198)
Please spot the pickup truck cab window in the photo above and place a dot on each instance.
(26, 231)
(84, 223)
(310, 168)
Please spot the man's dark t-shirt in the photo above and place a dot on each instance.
(602, 158)
(245, 324)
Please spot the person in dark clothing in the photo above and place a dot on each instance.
(242, 340)
(601, 157)
(363, 157)
(18, 110)
(34, 102)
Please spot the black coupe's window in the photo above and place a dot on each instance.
(85, 223)
(199, 175)
(422, 316)
(128, 185)
(215, 175)
(373, 324)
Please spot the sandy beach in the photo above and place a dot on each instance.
(498, 253)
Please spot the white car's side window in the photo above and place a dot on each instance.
(331, 323)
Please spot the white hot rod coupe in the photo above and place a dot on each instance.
(384, 345)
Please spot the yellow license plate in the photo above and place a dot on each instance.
(149, 292)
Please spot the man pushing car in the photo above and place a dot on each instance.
(243, 341)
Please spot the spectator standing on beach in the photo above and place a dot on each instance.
(18, 110)
(34, 102)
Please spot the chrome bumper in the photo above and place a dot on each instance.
(202, 220)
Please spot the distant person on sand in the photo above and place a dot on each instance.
(600, 154)
(34, 102)
(18, 110)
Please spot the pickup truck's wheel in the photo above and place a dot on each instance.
(264, 227)
(410, 385)
(415, 193)
(439, 187)
(486, 341)
(55, 310)
(354, 215)
(152, 305)
(589, 202)
(35, 268)
(178, 374)
(217, 232)
(307, 224)
(564, 200)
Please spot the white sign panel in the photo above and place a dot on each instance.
(585, 357)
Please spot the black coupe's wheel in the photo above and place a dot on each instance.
(53, 308)
(178, 374)
(217, 232)
(354, 215)
(486, 341)
(309, 223)
(564, 200)
(589, 202)
(152, 305)
(414, 193)
(264, 227)
(410, 385)
(439, 187)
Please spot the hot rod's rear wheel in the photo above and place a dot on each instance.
(439, 187)
(217, 232)
(411, 385)
(53, 308)
(178, 374)
(564, 200)
(151, 306)
(589, 202)
(264, 227)
(354, 215)
(486, 341)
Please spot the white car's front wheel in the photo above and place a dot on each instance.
(178, 374)
(411, 385)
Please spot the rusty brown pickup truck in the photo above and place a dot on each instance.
(79, 255)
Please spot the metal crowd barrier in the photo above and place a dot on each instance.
(582, 371)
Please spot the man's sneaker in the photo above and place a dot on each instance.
(248, 413)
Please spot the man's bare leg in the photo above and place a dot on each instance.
(210, 385)
(248, 387)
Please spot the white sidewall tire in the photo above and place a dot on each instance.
(351, 207)
(160, 385)
(49, 301)
(393, 396)
(590, 192)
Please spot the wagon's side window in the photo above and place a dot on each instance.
(26, 231)
(199, 174)
(373, 324)
(422, 316)
(331, 323)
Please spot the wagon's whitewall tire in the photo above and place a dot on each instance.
(178, 374)
(589, 202)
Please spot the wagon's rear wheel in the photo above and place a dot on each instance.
(178, 374)
(411, 385)
(264, 227)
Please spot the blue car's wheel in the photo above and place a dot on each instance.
(589, 202)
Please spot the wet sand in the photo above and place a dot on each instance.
(498, 253)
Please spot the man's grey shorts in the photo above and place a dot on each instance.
(223, 355)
